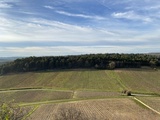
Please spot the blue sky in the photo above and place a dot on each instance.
(69, 27)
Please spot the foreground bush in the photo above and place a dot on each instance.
(9, 111)
(128, 93)
(71, 114)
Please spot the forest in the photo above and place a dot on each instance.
(91, 61)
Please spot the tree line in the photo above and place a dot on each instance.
(92, 61)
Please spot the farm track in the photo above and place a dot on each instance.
(74, 92)
(71, 94)
(146, 105)
(32, 89)
(68, 101)
(76, 96)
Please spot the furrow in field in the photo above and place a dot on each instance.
(118, 108)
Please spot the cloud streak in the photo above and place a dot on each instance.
(46, 30)
(77, 27)
(42, 30)
(81, 15)
(49, 7)
(72, 50)
(131, 15)
(4, 5)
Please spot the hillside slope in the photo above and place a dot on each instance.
(136, 80)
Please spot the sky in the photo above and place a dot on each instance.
(73, 27)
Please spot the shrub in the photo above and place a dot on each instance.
(9, 111)
(71, 114)
(124, 91)
(128, 93)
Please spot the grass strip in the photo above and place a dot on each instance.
(35, 108)
(67, 100)
(146, 105)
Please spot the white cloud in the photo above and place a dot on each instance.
(72, 50)
(131, 15)
(5, 5)
(155, 7)
(46, 30)
(49, 7)
(27, 13)
(81, 15)
(108, 30)
(43, 30)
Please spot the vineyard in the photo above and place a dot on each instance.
(40, 95)
(153, 102)
(144, 81)
(83, 79)
(23, 96)
(140, 81)
(96, 93)
(115, 108)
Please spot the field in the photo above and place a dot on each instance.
(114, 109)
(143, 81)
(97, 93)
(153, 102)
(25, 96)
(40, 95)
(61, 80)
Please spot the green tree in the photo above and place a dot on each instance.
(153, 63)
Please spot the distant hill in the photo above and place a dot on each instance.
(4, 60)
(156, 54)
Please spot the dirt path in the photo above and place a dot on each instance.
(146, 105)
(74, 94)
(32, 89)
(143, 95)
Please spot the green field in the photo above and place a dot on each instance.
(23, 96)
(83, 79)
(141, 81)
(51, 89)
